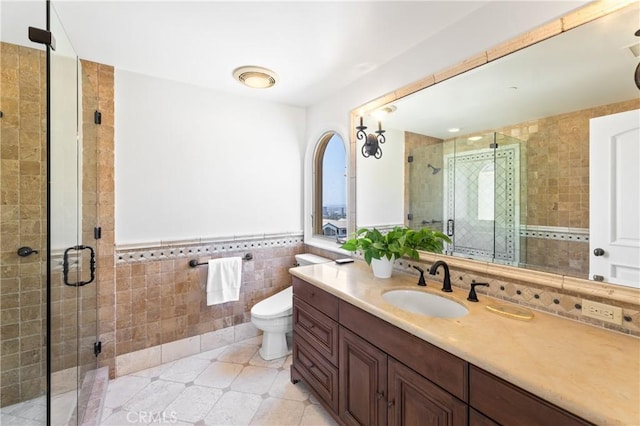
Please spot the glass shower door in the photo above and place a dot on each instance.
(73, 215)
(483, 205)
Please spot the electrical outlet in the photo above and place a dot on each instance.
(601, 311)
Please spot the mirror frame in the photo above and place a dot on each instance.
(572, 20)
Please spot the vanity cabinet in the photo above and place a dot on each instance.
(315, 342)
(366, 371)
(363, 381)
(378, 389)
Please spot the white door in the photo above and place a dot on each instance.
(614, 206)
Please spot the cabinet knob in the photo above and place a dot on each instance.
(598, 252)
(379, 395)
(390, 403)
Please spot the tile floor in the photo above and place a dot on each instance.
(231, 385)
(34, 411)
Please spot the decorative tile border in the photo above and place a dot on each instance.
(154, 251)
(555, 233)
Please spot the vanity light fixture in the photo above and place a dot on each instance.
(371, 146)
(255, 77)
(372, 142)
(636, 76)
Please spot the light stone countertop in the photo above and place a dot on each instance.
(591, 372)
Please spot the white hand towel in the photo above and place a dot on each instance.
(223, 280)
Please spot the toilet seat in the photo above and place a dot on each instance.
(278, 305)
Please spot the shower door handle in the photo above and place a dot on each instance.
(450, 227)
(65, 266)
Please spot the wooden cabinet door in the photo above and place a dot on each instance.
(363, 381)
(415, 401)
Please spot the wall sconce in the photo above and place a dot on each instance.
(372, 142)
(636, 76)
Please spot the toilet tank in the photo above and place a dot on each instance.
(310, 259)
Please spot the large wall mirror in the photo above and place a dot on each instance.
(498, 157)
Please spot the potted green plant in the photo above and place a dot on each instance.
(381, 250)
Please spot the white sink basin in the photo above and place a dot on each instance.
(420, 302)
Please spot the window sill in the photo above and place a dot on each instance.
(326, 244)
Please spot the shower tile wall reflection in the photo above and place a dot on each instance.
(553, 185)
(23, 211)
(423, 190)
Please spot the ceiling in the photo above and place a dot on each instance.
(316, 48)
(585, 67)
(319, 48)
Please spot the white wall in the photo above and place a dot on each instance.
(488, 26)
(193, 163)
(384, 204)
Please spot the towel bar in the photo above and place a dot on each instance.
(193, 263)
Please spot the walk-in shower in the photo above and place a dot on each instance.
(478, 198)
(49, 223)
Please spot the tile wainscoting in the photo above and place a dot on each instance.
(160, 299)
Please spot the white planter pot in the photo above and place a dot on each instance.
(382, 267)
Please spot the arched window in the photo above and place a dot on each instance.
(330, 188)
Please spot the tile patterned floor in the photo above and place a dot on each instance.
(231, 385)
(34, 411)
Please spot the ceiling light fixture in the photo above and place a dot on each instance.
(381, 112)
(454, 130)
(255, 77)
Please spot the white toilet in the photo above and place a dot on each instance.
(274, 315)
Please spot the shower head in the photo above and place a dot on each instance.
(435, 169)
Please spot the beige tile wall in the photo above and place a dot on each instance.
(558, 164)
(159, 298)
(557, 183)
(98, 92)
(23, 222)
(423, 190)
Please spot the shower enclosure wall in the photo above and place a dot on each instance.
(473, 190)
(49, 219)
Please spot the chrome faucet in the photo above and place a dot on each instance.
(446, 281)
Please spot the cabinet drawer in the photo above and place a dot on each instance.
(508, 404)
(317, 329)
(316, 372)
(446, 370)
(325, 302)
